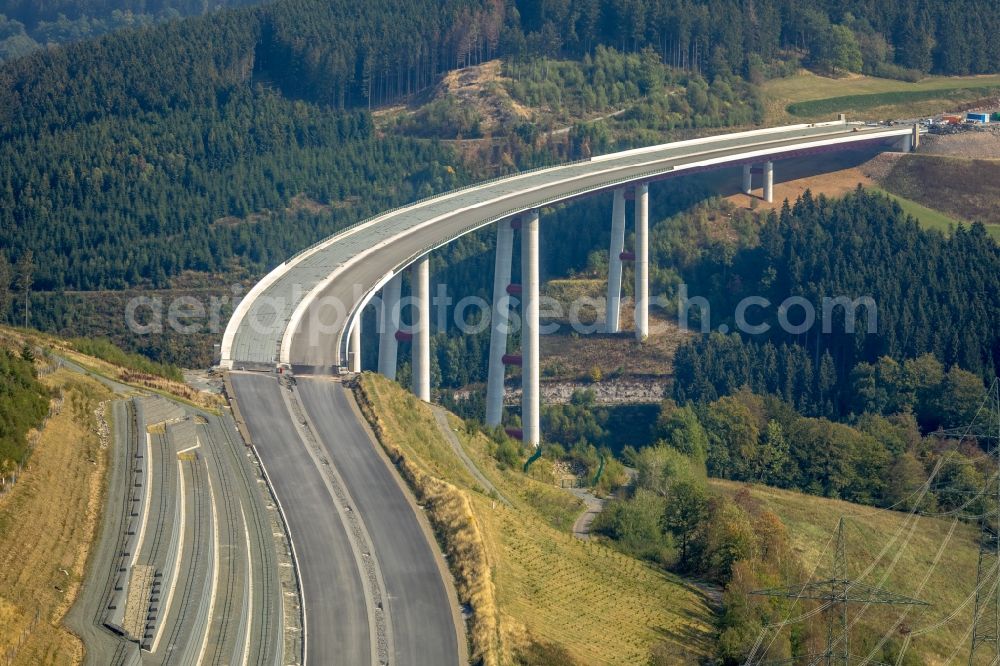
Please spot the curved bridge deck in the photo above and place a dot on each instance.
(312, 440)
(333, 279)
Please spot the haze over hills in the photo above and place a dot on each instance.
(29, 26)
(176, 159)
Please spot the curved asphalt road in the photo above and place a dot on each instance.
(292, 317)
(423, 624)
(336, 618)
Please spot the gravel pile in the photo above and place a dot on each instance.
(879, 167)
(981, 143)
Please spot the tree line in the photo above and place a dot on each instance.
(936, 297)
(730, 36)
(671, 517)
(29, 26)
(674, 518)
(24, 403)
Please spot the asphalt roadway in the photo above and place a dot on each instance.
(333, 594)
(423, 622)
(226, 606)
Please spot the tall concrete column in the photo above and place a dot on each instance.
(747, 179)
(388, 344)
(355, 352)
(498, 323)
(530, 425)
(421, 350)
(615, 262)
(905, 143)
(769, 182)
(642, 261)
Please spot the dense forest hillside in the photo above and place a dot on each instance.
(934, 295)
(202, 151)
(26, 25)
(719, 35)
(344, 54)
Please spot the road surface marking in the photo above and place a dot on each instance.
(215, 569)
(149, 492)
(249, 625)
(177, 560)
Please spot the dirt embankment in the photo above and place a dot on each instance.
(47, 524)
(983, 145)
(962, 188)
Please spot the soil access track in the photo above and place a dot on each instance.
(301, 313)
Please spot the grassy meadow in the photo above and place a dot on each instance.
(47, 523)
(932, 559)
(808, 96)
(555, 599)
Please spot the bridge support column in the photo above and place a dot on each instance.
(905, 143)
(388, 345)
(498, 323)
(769, 182)
(530, 423)
(642, 261)
(421, 350)
(354, 364)
(615, 262)
(747, 179)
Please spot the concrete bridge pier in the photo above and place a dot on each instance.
(354, 360)
(421, 350)
(642, 261)
(613, 306)
(498, 323)
(769, 182)
(905, 143)
(530, 422)
(388, 344)
(747, 178)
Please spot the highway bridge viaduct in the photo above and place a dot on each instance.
(305, 315)
(373, 588)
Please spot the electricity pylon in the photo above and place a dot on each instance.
(986, 618)
(839, 592)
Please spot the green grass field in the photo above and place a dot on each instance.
(927, 217)
(603, 607)
(596, 605)
(860, 104)
(816, 97)
(901, 556)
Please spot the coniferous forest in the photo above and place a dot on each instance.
(120, 156)
(173, 144)
(217, 145)
(936, 298)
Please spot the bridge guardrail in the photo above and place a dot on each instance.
(494, 218)
(428, 198)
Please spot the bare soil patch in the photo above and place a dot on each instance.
(480, 86)
(966, 189)
(577, 355)
(618, 355)
(971, 145)
(832, 174)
